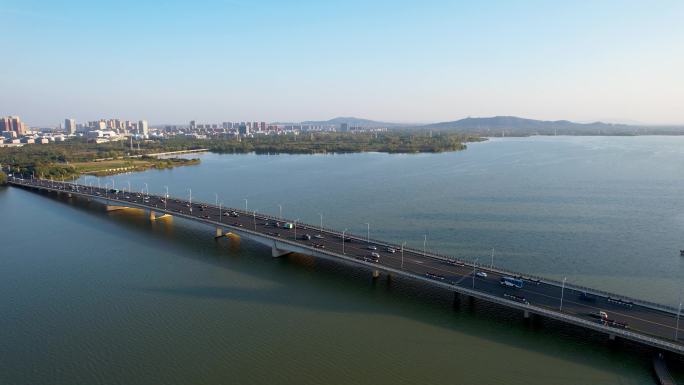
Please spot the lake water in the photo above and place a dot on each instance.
(95, 298)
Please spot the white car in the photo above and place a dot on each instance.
(372, 248)
(481, 274)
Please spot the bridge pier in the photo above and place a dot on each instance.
(219, 233)
(611, 337)
(276, 252)
(526, 314)
(152, 216)
(115, 208)
(457, 300)
(376, 274)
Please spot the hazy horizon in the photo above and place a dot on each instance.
(393, 61)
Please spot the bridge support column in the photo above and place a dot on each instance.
(276, 253)
(457, 300)
(611, 337)
(153, 216)
(526, 314)
(376, 274)
(219, 233)
(115, 208)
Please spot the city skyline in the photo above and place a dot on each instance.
(617, 61)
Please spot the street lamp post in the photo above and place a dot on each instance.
(560, 309)
(492, 265)
(679, 311)
(402, 255)
(166, 197)
(677, 326)
(190, 190)
(281, 211)
(129, 186)
(220, 207)
(216, 196)
(245, 204)
(367, 232)
(147, 189)
(295, 228)
(344, 231)
(321, 228)
(424, 245)
(254, 214)
(474, 271)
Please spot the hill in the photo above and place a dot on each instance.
(512, 125)
(356, 122)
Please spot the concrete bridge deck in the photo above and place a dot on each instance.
(647, 323)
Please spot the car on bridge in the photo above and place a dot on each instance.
(371, 247)
(481, 274)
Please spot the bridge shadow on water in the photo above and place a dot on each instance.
(357, 292)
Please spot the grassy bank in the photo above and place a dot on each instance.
(111, 167)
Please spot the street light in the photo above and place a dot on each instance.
(402, 255)
(281, 211)
(220, 207)
(295, 228)
(254, 213)
(344, 231)
(216, 202)
(678, 313)
(190, 191)
(129, 186)
(321, 228)
(492, 265)
(245, 204)
(474, 271)
(424, 245)
(677, 326)
(147, 189)
(166, 197)
(560, 309)
(367, 232)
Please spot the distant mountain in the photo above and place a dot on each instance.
(356, 122)
(512, 125)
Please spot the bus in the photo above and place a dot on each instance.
(512, 282)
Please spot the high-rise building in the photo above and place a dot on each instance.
(262, 126)
(70, 126)
(193, 125)
(243, 129)
(142, 127)
(5, 124)
(13, 123)
(344, 127)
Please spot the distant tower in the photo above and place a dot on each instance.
(142, 127)
(70, 126)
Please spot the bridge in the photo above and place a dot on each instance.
(647, 323)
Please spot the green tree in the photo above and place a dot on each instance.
(3, 178)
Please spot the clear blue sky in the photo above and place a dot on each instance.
(410, 61)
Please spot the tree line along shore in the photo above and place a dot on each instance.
(77, 156)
